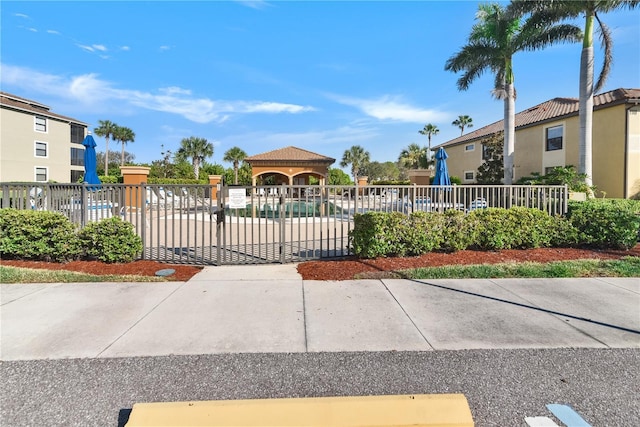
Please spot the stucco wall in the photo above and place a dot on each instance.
(633, 155)
(17, 148)
(461, 160)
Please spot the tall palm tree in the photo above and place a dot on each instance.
(234, 155)
(429, 130)
(498, 34)
(463, 122)
(590, 9)
(413, 157)
(357, 157)
(105, 129)
(196, 149)
(124, 135)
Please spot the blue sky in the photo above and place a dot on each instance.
(260, 75)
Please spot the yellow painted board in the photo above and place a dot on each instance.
(442, 410)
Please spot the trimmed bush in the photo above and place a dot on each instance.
(460, 231)
(606, 223)
(422, 232)
(111, 240)
(376, 234)
(37, 235)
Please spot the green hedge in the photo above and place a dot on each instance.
(37, 235)
(50, 236)
(380, 234)
(606, 223)
(110, 240)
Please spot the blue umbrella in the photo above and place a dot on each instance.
(90, 164)
(442, 172)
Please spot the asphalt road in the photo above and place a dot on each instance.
(502, 386)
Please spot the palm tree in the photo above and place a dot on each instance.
(234, 155)
(429, 130)
(413, 157)
(494, 39)
(463, 122)
(357, 157)
(124, 135)
(196, 149)
(105, 129)
(570, 9)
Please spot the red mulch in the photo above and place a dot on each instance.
(346, 268)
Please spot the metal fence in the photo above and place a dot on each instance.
(265, 224)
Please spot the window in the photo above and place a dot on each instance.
(77, 134)
(468, 175)
(76, 175)
(41, 174)
(469, 147)
(41, 149)
(554, 138)
(77, 157)
(485, 152)
(41, 124)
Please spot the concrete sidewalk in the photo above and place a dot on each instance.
(269, 308)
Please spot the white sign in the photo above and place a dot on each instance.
(237, 199)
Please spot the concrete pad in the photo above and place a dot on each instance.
(452, 320)
(75, 319)
(248, 272)
(221, 317)
(589, 298)
(426, 410)
(14, 291)
(357, 315)
(629, 283)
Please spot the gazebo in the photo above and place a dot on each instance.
(289, 165)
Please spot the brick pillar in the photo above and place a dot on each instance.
(362, 181)
(134, 175)
(214, 180)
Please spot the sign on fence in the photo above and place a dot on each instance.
(237, 198)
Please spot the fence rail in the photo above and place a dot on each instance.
(264, 224)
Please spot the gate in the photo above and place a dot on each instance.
(282, 224)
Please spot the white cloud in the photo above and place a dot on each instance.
(312, 140)
(33, 30)
(89, 90)
(85, 47)
(125, 48)
(254, 4)
(165, 47)
(392, 108)
(53, 32)
(21, 15)
(100, 47)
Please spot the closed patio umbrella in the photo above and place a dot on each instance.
(442, 172)
(90, 164)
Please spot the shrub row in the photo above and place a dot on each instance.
(606, 223)
(50, 236)
(380, 234)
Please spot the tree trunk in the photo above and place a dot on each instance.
(106, 156)
(122, 154)
(509, 134)
(585, 161)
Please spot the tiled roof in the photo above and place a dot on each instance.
(8, 100)
(290, 154)
(549, 110)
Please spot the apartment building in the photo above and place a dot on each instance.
(38, 145)
(547, 136)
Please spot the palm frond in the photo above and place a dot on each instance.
(607, 45)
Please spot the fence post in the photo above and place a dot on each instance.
(282, 215)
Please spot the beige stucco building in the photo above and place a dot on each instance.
(37, 145)
(547, 136)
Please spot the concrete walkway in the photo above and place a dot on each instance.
(269, 308)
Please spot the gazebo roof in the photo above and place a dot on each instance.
(290, 154)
